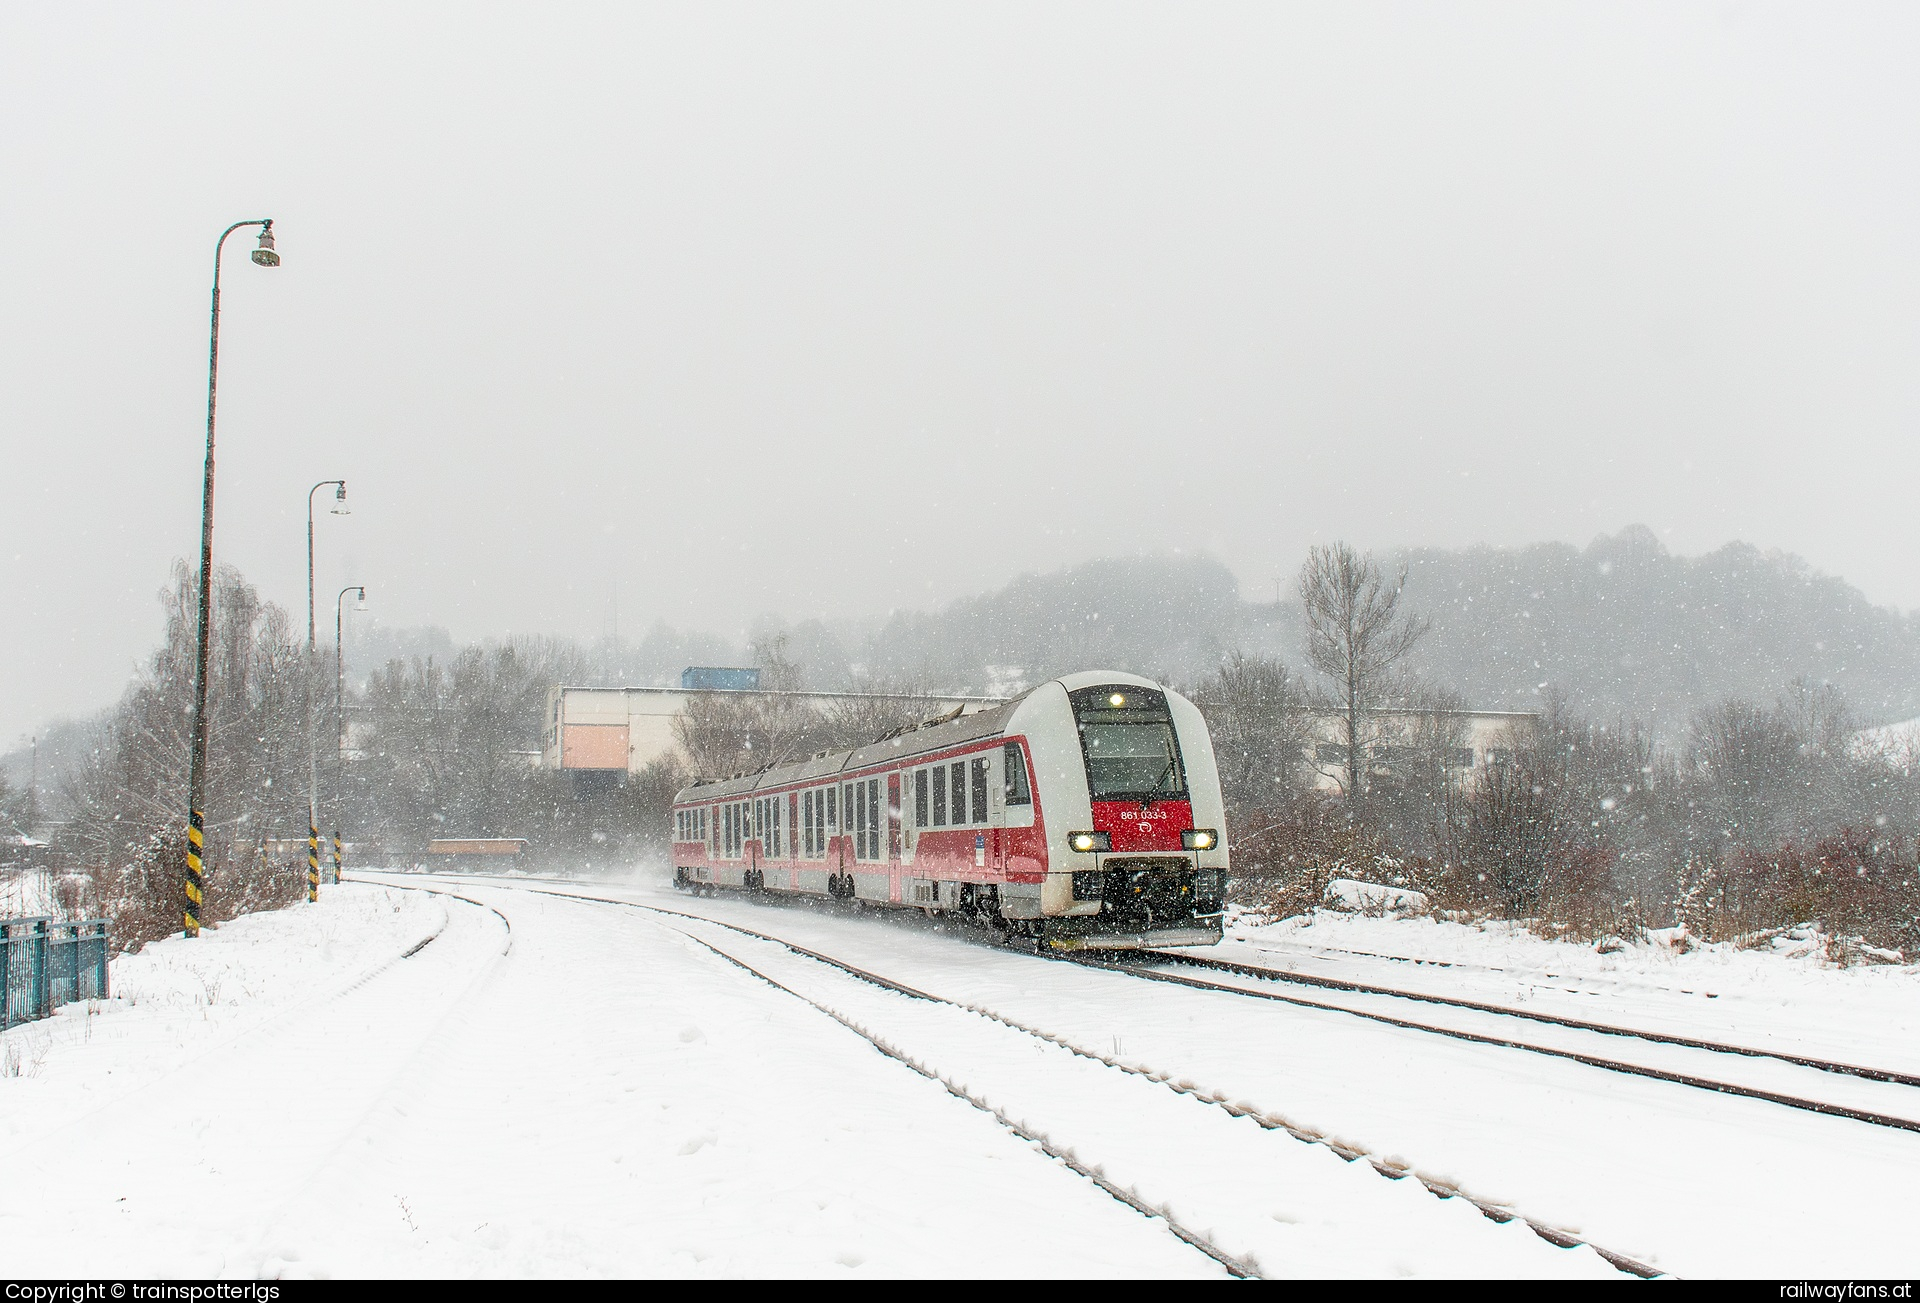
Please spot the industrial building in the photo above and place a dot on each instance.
(626, 729)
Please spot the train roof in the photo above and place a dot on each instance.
(933, 735)
(920, 739)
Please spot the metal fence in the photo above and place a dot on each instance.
(48, 964)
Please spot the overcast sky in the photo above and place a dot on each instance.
(829, 308)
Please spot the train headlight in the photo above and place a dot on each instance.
(1117, 700)
(1089, 841)
(1199, 839)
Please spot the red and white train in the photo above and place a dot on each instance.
(1085, 814)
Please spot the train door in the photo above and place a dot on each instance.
(893, 817)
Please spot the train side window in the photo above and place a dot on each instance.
(979, 809)
(939, 777)
(957, 784)
(1018, 792)
(919, 798)
(876, 818)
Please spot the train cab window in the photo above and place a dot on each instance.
(978, 813)
(919, 798)
(957, 782)
(1128, 740)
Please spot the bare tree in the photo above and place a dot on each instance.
(1257, 714)
(881, 706)
(1356, 635)
(728, 732)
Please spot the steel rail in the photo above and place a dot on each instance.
(1606, 1029)
(1234, 1266)
(1590, 1060)
(1392, 1170)
(1478, 1038)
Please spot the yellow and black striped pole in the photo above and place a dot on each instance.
(313, 864)
(196, 875)
(336, 857)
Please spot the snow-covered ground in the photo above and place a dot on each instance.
(575, 1088)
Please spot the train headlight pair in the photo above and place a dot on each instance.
(1199, 839)
(1089, 841)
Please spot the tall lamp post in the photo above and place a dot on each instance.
(339, 702)
(313, 763)
(195, 883)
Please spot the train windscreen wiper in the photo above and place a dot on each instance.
(1146, 802)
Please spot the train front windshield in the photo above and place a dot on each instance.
(1127, 737)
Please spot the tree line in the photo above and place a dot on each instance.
(1763, 816)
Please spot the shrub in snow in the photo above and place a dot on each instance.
(1374, 899)
(1860, 884)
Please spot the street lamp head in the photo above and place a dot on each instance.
(361, 601)
(264, 255)
(340, 500)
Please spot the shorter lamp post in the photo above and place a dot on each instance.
(313, 765)
(339, 704)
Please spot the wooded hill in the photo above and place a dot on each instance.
(1622, 627)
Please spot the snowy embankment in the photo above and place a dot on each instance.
(179, 998)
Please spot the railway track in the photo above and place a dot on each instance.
(1828, 1108)
(1529, 1015)
(1390, 1168)
(1694, 1080)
